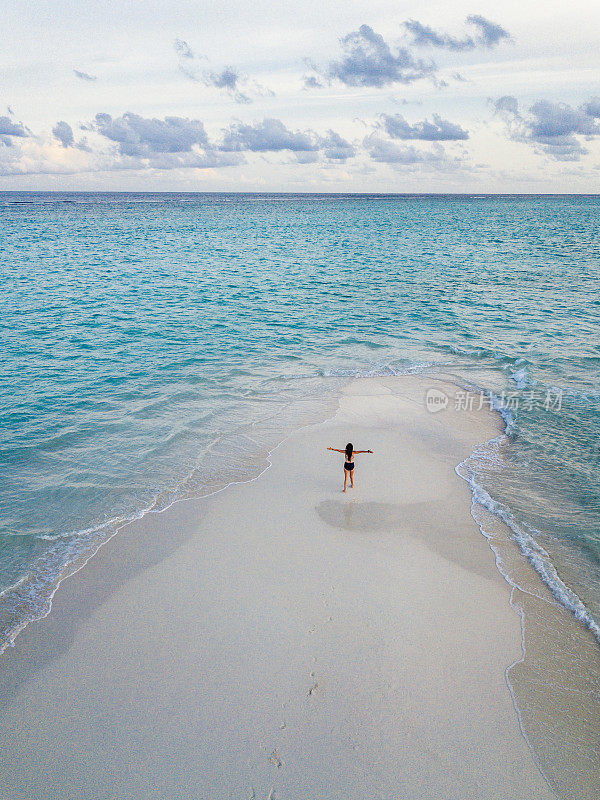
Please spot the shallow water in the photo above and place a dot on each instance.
(154, 345)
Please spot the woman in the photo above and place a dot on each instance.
(350, 452)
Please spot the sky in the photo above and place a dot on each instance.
(378, 96)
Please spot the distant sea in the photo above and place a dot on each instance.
(155, 346)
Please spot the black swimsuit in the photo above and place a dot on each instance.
(349, 465)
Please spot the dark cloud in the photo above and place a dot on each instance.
(425, 36)
(270, 135)
(440, 130)
(552, 126)
(10, 128)
(145, 137)
(84, 76)
(558, 119)
(225, 80)
(489, 34)
(368, 60)
(228, 79)
(64, 133)
(335, 148)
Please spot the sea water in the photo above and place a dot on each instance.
(154, 345)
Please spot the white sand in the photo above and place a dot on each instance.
(284, 640)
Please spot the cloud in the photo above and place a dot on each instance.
(238, 86)
(10, 128)
(335, 148)
(592, 107)
(311, 82)
(225, 80)
(507, 103)
(14, 161)
(134, 143)
(169, 143)
(40, 155)
(489, 34)
(270, 135)
(141, 136)
(139, 143)
(64, 133)
(306, 157)
(369, 61)
(10, 159)
(187, 60)
(183, 49)
(386, 152)
(41, 160)
(558, 119)
(194, 159)
(424, 36)
(440, 130)
(228, 79)
(84, 76)
(552, 126)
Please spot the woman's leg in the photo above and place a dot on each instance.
(345, 478)
(352, 479)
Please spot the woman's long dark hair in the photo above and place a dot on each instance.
(349, 451)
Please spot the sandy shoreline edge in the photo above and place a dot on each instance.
(281, 639)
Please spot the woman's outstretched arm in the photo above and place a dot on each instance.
(335, 450)
(362, 451)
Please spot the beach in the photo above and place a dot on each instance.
(280, 639)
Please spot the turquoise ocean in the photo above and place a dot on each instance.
(156, 346)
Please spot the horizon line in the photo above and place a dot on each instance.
(297, 194)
